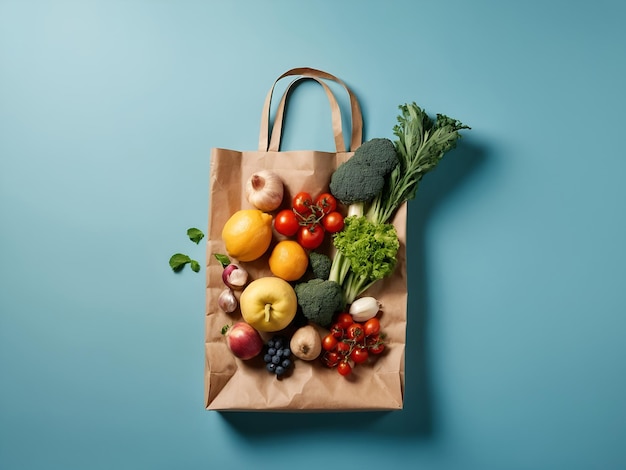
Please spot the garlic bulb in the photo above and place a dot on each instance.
(227, 301)
(364, 308)
(264, 190)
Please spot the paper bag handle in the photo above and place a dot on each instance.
(356, 116)
(279, 119)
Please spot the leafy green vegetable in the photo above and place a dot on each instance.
(178, 261)
(195, 266)
(366, 253)
(421, 144)
(195, 235)
(223, 259)
(368, 245)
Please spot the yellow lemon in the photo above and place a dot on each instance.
(288, 260)
(247, 234)
(268, 304)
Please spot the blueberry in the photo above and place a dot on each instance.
(286, 352)
(275, 359)
(279, 352)
(280, 370)
(286, 363)
(278, 343)
(267, 358)
(271, 367)
(270, 343)
(271, 351)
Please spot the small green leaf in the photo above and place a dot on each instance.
(225, 329)
(178, 261)
(195, 266)
(223, 259)
(195, 235)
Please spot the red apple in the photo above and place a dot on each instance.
(243, 341)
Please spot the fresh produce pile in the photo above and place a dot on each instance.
(314, 306)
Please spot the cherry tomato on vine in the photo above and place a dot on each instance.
(329, 342)
(344, 320)
(371, 326)
(333, 222)
(372, 339)
(331, 359)
(344, 368)
(356, 332)
(302, 202)
(326, 202)
(376, 348)
(311, 236)
(337, 331)
(286, 223)
(375, 344)
(359, 355)
(343, 347)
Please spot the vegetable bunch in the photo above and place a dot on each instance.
(374, 183)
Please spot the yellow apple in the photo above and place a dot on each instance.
(268, 304)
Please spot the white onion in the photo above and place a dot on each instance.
(364, 308)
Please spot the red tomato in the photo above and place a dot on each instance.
(376, 348)
(337, 331)
(329, 342)
(331, 359)
(359, 355)
(373, 339)
(344, 320)
(343, 347)
(333, 222)
(286, 223)
(371, 326)
(302, 202)
(344, 368)
(356, 332)
(311, 236)
(326, 202)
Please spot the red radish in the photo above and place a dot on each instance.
(243, 341)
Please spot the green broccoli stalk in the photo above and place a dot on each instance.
(366, 253)
(319, 300)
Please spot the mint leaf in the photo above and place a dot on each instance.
(195, 266)
(178, 261)
(195, 235)
(223, 259)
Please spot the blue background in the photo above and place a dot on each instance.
(108, 111)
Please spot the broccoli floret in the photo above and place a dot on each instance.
(320, 264)
(378, 153)
(319, 299)
(354, 182)
(362, 177)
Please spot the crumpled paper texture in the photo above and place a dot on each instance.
(236, 385)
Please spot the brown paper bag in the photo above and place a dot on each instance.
(233, 384)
